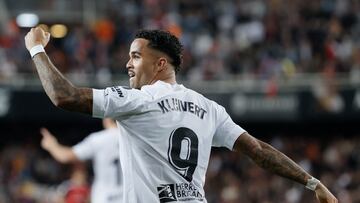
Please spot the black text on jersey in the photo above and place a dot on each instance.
(174, 104)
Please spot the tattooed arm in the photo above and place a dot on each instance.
(60, 91)
(273, 160)
(270, 159)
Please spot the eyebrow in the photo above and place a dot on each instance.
(134, 52)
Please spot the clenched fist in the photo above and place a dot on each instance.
(35, 37)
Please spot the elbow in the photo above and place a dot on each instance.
(74, 99)
(63, 98)
(60, 157)
(66, 158)
(63, 160)
(60, 103)
(257, 153)
(63, 102)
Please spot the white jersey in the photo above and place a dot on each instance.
(103, 149)
(166, 136)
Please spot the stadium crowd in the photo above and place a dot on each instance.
(29, 175)
(223, 39)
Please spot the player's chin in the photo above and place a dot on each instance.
(133, 84)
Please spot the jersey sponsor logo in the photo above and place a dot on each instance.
(174, 104)
(118, 91)
(166, 193)
(179, 192)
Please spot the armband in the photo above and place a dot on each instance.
(312, 183)
(36, 49)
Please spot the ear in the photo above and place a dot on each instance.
(161, 64)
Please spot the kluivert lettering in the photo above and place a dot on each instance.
(174, 104)
(162, 107)
(168, 104)
(183, 105)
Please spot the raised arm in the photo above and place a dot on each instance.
(61, 153)
(273, 160)
(61, 92)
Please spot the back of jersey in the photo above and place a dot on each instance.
(166, 136)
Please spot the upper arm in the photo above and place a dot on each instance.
(80, 100)
(247, 144)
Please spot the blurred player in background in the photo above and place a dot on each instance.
(75, 189)
(167, 130)
(100, 147)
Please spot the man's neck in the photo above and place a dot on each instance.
(168, 77)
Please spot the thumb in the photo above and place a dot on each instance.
(44, 136)
(47, 35)
(44, 131)
(46, 39)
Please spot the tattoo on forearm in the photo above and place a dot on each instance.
(61, 92)
(277, 162)
(273, 160)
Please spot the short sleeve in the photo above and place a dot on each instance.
(85, 149)
(227, 131)
(117, 101)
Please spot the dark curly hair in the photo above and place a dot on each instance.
(165, 42)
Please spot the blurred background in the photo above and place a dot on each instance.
(286, 71)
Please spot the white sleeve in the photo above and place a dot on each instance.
(86, 149)
(227, 131)
(117, 101)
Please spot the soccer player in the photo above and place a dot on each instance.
(102, 148)
(167, 130)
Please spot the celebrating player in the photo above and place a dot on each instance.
(167, 130)
(102, 148)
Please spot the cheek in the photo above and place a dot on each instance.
(145, 71)
(145, 75)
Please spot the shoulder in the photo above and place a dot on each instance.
(121, 91)
(205, 99)
(156, 90)
(126, 94)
